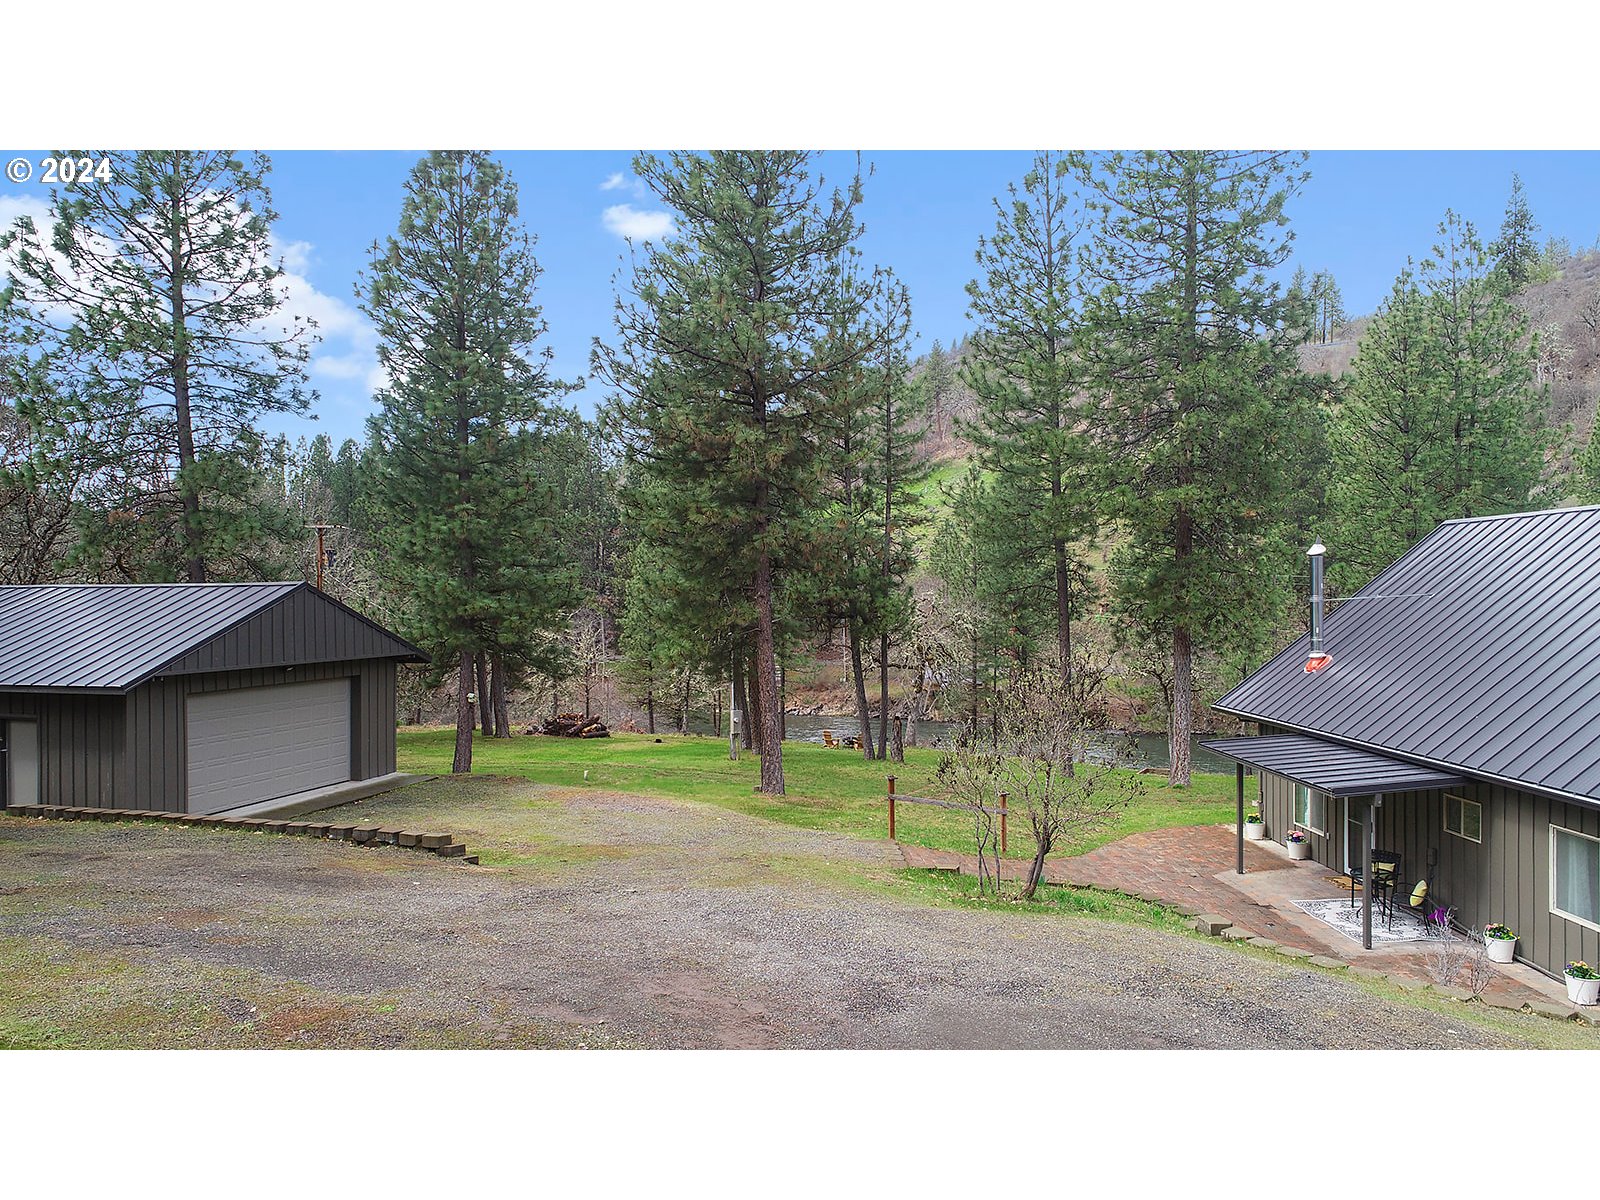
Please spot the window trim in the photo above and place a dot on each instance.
(1311, 794)
(1461, 833)
(1561, 912)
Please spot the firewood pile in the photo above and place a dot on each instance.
(574, 725)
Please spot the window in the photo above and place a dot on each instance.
(1463, 817)
(1308, 808)
(1575, 876)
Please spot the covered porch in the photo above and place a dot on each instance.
(1357, 782)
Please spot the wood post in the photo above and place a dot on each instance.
(1003, 797)
(1238, 769)
(891, 808)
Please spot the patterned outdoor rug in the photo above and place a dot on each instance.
(1347, 920)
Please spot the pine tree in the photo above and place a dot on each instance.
(1515, 251)
(467, 518)
(938, 383)
(157, 292)
(1208, 419)
(971, 611)
(1442, 418)
(1328, 301)
(722, 366)
(1032, 431)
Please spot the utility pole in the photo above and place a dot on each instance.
(322, 554)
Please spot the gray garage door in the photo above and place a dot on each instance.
(262, 743)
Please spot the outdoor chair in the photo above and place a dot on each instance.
(1385, 876)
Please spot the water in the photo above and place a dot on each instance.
(1129, 749)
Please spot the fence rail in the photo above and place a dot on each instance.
(1002, 811)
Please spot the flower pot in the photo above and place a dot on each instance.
(1503, 949)
(1583, 991)
(1299, 850)
(1254, 831)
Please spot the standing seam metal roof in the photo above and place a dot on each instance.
(1478, 650)
(111, 637)
(1330, 768)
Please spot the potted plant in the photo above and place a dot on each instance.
(1299, 844)
(1501, 942)
(1254, 828)
(1583, 983)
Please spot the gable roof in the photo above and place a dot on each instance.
(1478, 650)
(113, 637)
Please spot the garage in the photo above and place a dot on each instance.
(258, 744)
(207, 697)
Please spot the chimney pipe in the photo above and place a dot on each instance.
(1316, 657)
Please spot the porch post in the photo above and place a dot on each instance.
(1239, 828)
(1366, 875)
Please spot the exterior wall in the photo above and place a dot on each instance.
(81, 742)
(1506, 877)
(156, 722)
(301, 628)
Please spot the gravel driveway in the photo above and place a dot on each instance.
(636, 923)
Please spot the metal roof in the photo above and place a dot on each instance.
(1477, 651)
(1331, 768)
(112, 637)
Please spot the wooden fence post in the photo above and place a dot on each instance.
(1003, 796)
(891, 808)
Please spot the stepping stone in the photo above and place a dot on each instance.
(1234, 934)
(363, 833)
(1555, 1009)
(1408, 984)
(1330, 964)
(455, 850)
(408, 838)
(1212, 925)
(1263, 943)
(1368, 972)
(432, 841)
(1455, 993)
(1294, 952)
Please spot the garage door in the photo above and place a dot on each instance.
(262, 743)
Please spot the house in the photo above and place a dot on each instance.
(1449, 711)
(190, 697)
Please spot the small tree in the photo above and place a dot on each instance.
(1044, 769)
(969, 775)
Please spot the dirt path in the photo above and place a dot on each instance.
(635, 923)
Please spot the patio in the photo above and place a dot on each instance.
(1179, 867)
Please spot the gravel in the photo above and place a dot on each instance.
(697, 928)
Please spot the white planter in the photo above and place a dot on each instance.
(1254, 831)
(1299, 850)
(1583, 991)
(1503, 949)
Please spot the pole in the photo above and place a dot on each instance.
(733, 724)
(1366, 876)
(1238, 774)
(1003, 797)
(321, 557)
(891, 808)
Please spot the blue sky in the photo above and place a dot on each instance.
(1361, 216)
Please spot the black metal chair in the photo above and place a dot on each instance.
(1385, 877)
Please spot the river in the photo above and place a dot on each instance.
(1130, 749)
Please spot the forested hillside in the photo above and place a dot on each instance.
(1101, 490)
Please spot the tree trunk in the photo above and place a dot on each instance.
(1182, 705)
(883, 695)
(741, 697)
(650, 711)
(683, 702)
(897, 748)
(753, 697)
(1036, 870)
(863, 716)
(485, 705)
(771, 748)
(188, 492)
(783, 701)
(466, 716)
(497, 697)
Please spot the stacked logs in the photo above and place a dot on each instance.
(574, 725)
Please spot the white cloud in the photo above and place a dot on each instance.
(626, 221)
(613, 181)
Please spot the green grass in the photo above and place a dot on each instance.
(834, 790)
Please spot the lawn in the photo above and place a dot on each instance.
(835, 790)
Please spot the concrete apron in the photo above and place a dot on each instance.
(325, 797)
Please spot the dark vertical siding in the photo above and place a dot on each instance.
(80, 745)
(300, 628)
(157, 731)
(1277, 809)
